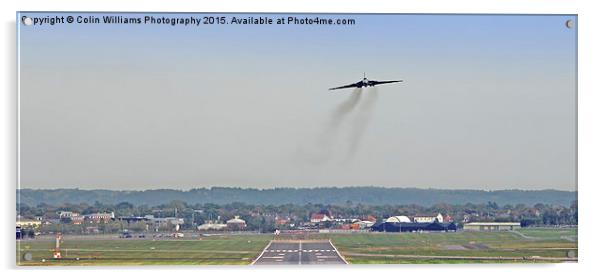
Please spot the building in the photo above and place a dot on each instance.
(70, 217)
(281, 221)
(212, 226)
(28, 223)
(398, 227)
(448, 218)
(428, 218)
(77, 219)
(319, 217)
(67, 214)
(236, 224)
(371, 218)
(402, 223)
(164, 220)
(363, 224)
(99, 217)
(491, 226)
(134, 219)
(398, 219)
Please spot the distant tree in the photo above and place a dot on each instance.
(492, 205)
(574, 208)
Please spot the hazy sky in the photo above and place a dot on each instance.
(487, 102)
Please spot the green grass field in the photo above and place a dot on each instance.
(234, 249)
(550, 233)
(526, 245)
(383, 248)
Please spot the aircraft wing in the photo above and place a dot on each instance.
(383, 82)
(354, 85)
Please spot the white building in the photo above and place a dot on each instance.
(399, 219)
(428, 218)
(67, 214)
(97, 217)
(319, 217)
(22, 222)
(212, 226)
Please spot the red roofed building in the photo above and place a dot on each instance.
(236, 224)
(319, 217)
(77, 219)
(370, 218)
(448, 218)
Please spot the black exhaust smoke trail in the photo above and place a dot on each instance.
(345, 108)
(338, 116)
(326, 139)
(360, 122)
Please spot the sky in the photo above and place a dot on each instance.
(486, 102)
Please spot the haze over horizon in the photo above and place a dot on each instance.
(488, 102)
(321, 195)
(134, 188)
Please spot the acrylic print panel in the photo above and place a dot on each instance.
(269, 139)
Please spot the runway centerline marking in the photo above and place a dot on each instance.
(300, 253)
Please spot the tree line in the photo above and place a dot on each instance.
(263, 217)
(369, 195)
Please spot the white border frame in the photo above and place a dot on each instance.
(589, 136)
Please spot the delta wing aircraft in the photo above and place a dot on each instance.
(365, 83)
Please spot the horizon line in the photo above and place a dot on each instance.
(296, 188)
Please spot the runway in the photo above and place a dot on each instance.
(298, 252)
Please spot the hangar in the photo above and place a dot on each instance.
(413, 227)
(491, 226)
(398, 219)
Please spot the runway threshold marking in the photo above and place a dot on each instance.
(282, 256)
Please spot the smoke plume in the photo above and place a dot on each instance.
(345, 108)
(355, 112)
(359, 124)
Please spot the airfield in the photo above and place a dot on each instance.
(532, 245)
